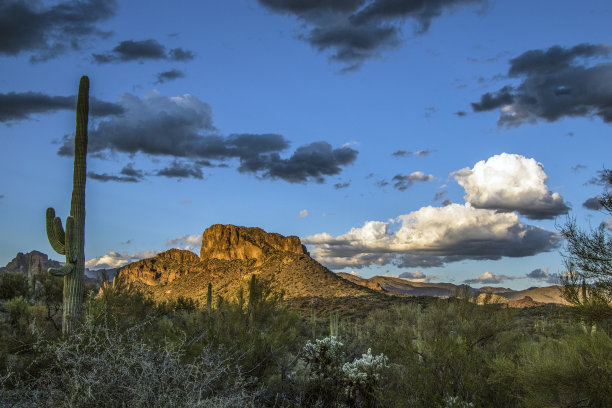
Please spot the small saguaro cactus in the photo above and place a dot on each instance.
(71, 242)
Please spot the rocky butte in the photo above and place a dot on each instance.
(229, 256)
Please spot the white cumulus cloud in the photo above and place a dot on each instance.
(188, 242)
(116, 260)
(433, 236)
(303, 214)
(511, 182)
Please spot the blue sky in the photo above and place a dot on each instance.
(442, 141)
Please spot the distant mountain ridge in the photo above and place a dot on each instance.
(488, 294)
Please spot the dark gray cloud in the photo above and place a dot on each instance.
(151, 49)
(339, 186)
(554, 59)
(179, 54)
(179, 169)
(127, 175)
(490, 101)
(353, 31)
(309, 162)
(439, 196)
(305, 7)
(48, 31)
(182, 128)
(403, 182)
(593, 203)
(555, 83)
(539, 274)
(544, 275)
(405, 153)
(18, 106)
(171, 75)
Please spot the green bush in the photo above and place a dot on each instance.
(13, 285)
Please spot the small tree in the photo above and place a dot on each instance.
(588, 259)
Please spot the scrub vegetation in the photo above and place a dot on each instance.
(254, 351)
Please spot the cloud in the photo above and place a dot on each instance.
(417, 276)
(179, 169)
(171, 75)
(403, 182)
(115, 259)
(511, 182)
(181, 127)
(339, 186)
(440, 195)
(150, 49)
(127, 175)
(593, 203)
(49, 31)
(404, 153)
(555, 83)
(489, 278)
(303, 214)
(187, 242)
(19, 106)
(352, 31)
(433, 236)
(543, 275)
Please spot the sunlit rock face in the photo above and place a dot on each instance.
(229, 242)
(162, 269)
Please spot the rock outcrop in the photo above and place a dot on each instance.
(228, 242)
(36, 260)
(230, 255)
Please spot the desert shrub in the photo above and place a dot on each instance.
(573, 371)
(13, 285)
(98, 366)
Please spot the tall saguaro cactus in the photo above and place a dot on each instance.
(72, 241)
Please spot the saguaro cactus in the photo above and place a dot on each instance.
(72, 241)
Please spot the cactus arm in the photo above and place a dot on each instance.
(63, 271)
(71, 250)
(55, 232)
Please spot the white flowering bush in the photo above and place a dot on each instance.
(324, 357)
(363, 375)
(356, 381)
(456, 402)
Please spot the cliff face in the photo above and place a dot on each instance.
(228, 242)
